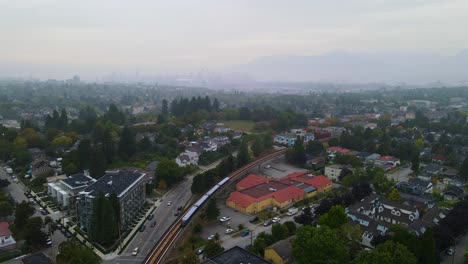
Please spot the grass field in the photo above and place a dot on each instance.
(240, 125)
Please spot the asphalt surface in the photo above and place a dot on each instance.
(458, 256)
(16, 191)
(164, 217)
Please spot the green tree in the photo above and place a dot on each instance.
(33, 234)
(212, 248)
(127, 145)
(212, 211)
(297, 154)
(73, 252)
(169, 172)
(415, 163)
(267, 141)
(314, 147)
(257, 147)
(6, 206)
(291, 226)
(108, 145)
(334, 218)
(104, 224)
(165, 108)
(243, 156)
(114, 115)
(319, 245)
(23, 212)
(394, 196)
(98, 162)
(83, 153)
(189, 257)
(464, 169)
(387, 253)
(279, 232)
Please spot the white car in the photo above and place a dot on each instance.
(224, 219)
(229, 231)
(169, 203)
(276, 220)
(135, 251)
(211, 237)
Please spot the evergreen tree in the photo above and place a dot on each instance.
(243, 156)
(297, 154)
(108, 145)
(464, 169)
(415, 163)
(267, 141)
(98, 162)
(63, 120)
(212, 211)
(83, 152)
(114, 115)
(127, 145)
(165, 108)
(257, 147)
(215, 105)
(314, 147)
(394, 196)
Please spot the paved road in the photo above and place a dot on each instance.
(164, 216)
(401, 174)
(458, 257)
(16, 190)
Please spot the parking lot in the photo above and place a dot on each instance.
(236, 218)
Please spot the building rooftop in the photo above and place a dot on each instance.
(250, 181)
(284, 249)
(114, 182)
(38, 258)
(236, 255)
(78, 180)
(5, 229)
(264, 189)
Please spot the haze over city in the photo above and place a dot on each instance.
(411, 41)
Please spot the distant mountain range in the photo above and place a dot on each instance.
(342, 67)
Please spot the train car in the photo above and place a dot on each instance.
(201, 200)
(212, 190)
(223, 181)
(186, 218)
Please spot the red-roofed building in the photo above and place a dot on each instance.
(259, 195)
(7, 242)
(387, 162)
(250, 181)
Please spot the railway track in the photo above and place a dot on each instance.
(158, 252)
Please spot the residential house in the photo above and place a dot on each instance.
(387, 162)
(316, 163)
(431, 218)
(128, 186)
(335, 150)
(309, 137)
(370, 159)
(336, 171)
(415, 186)
(7, 242)
(433, 169)
(280, 252)
(453, 193)
(287, 139)
(187, 158)
(41, 168)
(375, 214)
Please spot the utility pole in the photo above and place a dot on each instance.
(251, 237)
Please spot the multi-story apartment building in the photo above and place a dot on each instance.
(129, 187)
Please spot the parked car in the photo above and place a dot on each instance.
(276, 220)
(199, 251)
(224, 219)
(176, 213)
(169, 203)
(245, 233)
(254, 219)
(68, 234)
(153, 224)
(267, 223)
(150, 216)
(49, 242)
(211, 237)
(449, 251)
(229, 231)
(142, 228)
(135, 251)
(43, 211)
(179, 208)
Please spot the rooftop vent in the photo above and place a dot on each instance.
(109, 183)
(272, 189)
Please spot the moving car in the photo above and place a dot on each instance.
(135, 251)
(224, 219)
(276, 220)
(229, 231)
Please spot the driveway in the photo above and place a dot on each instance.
(458, 257)
(401, 174)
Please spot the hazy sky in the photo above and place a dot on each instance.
(152, 36)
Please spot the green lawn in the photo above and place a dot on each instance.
(240, 125)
